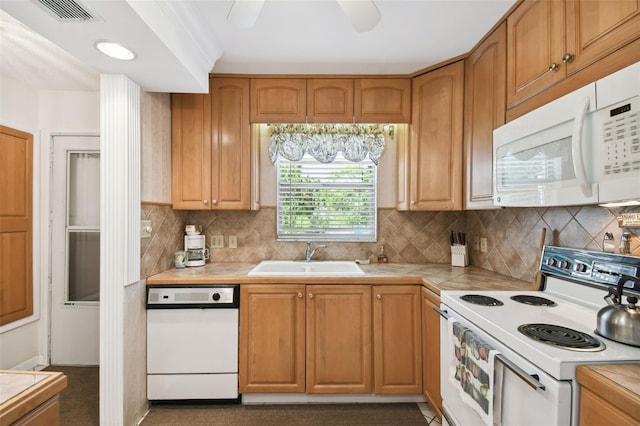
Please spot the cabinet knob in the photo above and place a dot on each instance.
(300, 295)
(413, 202)
(378, 296)
(554, 67)
(310, 295)
(214, 202)
(205, 201)
(568, 58)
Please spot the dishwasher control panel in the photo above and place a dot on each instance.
(193, 296)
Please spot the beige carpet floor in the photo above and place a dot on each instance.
(299, 415)
(79, 406)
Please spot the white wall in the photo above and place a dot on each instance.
(23, 344)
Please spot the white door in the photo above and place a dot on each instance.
(75, 250)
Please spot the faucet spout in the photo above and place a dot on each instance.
(310, 252)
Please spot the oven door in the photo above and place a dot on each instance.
(526, 396)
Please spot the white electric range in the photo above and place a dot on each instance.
(529, 380)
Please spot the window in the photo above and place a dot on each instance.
(327, 201)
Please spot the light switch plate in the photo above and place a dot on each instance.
(483, 244)
(233, 241)
(145, 229)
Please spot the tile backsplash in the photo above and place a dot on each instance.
(513, 236)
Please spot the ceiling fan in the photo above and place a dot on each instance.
(363, 14)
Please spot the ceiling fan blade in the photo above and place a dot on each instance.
(363, 14)
(244, 13)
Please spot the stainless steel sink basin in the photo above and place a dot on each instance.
(295, 268)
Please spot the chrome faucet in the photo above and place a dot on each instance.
(310, 252)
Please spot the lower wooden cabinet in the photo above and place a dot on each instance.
(396, 337)
(272, 338)
(339, 339)
(431, 351)
(359, 339)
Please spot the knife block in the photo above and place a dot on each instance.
(459, 255)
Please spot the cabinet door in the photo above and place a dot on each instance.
(380, 100)
(231, 144)
(436, 139)
(339, 339)
(16, 223)
(278, 100)
(484, 111)
(597, 28)
(396, 340)
(535, 47)
(595, 411)
(272, 352)
(330, 100)
(431, 350)
(191, 151)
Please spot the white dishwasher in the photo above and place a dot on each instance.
(192, 342)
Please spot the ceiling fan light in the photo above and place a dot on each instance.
(363, 14)
(244, 13)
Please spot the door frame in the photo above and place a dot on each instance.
(45, 171)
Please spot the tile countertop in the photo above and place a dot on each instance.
(435, 276)
(23, 391)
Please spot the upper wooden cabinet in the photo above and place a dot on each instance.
(435, 142)
(550, 40)
(331, 100)
(484, 111)
(278, 100)
(211, 147)
(379, 100)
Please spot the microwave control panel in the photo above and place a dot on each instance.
(621, 138)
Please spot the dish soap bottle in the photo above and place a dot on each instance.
(382, 258)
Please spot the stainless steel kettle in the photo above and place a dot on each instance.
(618, 321)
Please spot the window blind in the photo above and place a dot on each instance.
(327, 201)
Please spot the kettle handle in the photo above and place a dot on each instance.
(623, 280)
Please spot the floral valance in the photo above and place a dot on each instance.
(324, 141)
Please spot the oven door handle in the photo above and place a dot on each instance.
(444, 314)
(531, 380)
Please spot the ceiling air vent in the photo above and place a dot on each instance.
(68, 10)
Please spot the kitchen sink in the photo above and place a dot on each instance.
(297, 268)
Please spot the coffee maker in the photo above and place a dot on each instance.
(197, 251)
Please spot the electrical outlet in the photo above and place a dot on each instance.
(217, 241)
(476, 243)
(483, 244)
(233, 241)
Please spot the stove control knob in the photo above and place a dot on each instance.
(565, 264)
(552, 262)
(581, 267)
(216, 296)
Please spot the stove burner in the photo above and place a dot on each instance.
(562, 337)
(479, 299)
(533, 300)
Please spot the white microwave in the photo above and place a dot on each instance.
(583, 148)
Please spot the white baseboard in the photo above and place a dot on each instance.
(28, 365)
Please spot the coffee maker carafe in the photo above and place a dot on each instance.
(197, 251)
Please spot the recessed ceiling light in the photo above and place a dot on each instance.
(115, 50)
